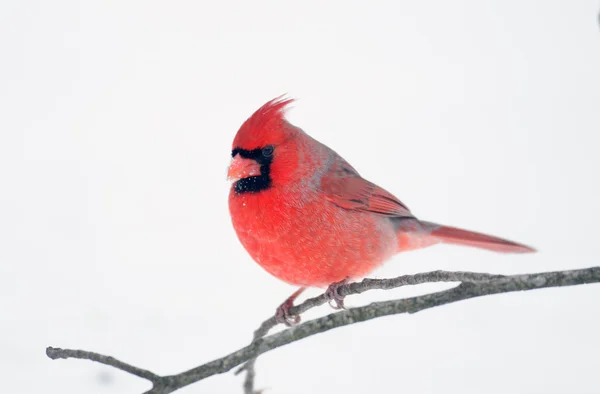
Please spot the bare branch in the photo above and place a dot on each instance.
(472, 285)
(357, 288)
(56, 353)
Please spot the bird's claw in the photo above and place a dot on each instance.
(283, 315)
(335, 299)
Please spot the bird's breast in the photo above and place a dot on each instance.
(305, 240)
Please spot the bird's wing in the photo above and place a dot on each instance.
(343, 186)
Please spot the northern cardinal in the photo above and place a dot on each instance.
(307, 217)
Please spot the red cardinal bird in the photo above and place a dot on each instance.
(307, 217)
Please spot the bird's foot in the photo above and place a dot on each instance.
(336, 300)
(283, 315)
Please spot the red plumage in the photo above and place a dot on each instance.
(260, 129)
(310, 219)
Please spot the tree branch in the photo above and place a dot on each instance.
(471, 285)
(357, 288)
(56, 353)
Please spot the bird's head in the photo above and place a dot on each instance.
(264, 150)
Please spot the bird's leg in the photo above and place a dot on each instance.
(283, 315)
(333, 294)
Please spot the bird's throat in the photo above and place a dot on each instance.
(253, 184)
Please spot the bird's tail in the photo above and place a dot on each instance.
(414, 234)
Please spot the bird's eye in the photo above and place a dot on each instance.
(267, 151)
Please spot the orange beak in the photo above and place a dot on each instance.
(242, 168)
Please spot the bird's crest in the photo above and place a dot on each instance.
(264, 121)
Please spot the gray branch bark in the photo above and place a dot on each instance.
(471, 285)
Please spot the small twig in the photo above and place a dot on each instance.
(472, 285)
(55, 353)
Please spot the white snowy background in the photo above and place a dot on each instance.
(116, 121)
